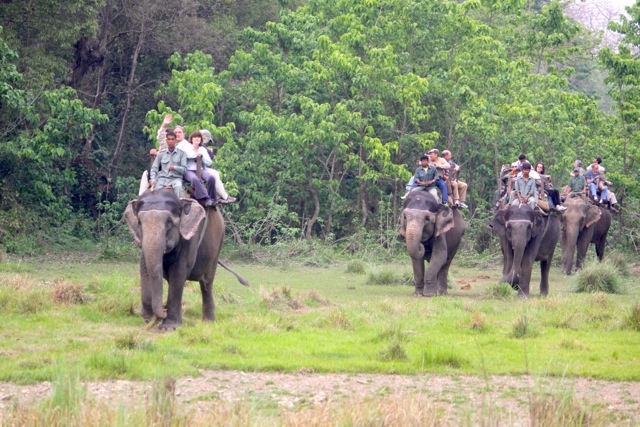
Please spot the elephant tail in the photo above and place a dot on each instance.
(240, 279)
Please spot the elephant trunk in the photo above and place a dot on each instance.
(569, 242)
(519, 241)
(153, 247)
(415, 248)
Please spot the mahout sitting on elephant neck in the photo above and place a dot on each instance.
(433, 233)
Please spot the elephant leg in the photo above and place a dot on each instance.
(443, 275)
(600, 248)
(145, 292)
(581, 249)
(418, 275)
(545, 266)
(438, 260)
(174, 300)
(206, 288)
(525, 275)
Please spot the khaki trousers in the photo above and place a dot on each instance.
(459, 190)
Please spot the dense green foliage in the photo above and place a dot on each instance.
(319, 109)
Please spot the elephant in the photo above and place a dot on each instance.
(180, 240)
(433, 232)
(526, 236)
(583, 222)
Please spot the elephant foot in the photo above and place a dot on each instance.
(417, 292)
(429, 294)
(169, 325)
(522, 295)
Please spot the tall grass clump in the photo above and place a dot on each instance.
(619, 263)
(23, 295)
(68, 394)
(502, 291)
(355, 267)
(388, 278)
(523, 327)
(599, 277)
(632, 320)
(550, 410)
(393, 352)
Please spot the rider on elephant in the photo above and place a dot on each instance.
(525, 191)
(577, 183)
(426, 177)
(169, 167)
(441, 165)
(593, 177)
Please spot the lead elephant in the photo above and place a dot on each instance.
(582, 223)
(526, 236)
(433, 232)
(180, 241)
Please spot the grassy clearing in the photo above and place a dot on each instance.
(82, 317)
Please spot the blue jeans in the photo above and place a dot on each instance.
(442, 185)
(594, 191)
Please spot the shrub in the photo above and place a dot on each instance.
(599, 277)
(477, 321)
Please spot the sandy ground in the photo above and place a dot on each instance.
(457, 395)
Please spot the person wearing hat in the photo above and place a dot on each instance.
(426, 177)
(611, 198)
(459, 188)
(577, 183)
(525, 191)
(441, 165)
(223, 196)
(593, 177)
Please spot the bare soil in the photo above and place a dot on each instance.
(456, 395)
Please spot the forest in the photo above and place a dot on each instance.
(318, 109)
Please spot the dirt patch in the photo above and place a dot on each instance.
(457, 395)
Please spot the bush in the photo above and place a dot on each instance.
(599, 277)
(388, 278)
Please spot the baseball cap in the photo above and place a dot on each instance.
(433, 150)
(576, 169)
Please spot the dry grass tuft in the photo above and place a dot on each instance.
(560, 410)
(284, 298)
(477, 321)
(388, 411)
(65, 292)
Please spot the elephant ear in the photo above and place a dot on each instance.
(593, 215)
(131, 218)
(498, 223)
(444, 220)
(538, 224)
(191, 218)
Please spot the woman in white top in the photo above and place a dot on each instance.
(223, 197)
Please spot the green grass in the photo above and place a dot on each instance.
(320, 319)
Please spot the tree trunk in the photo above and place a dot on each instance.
(132, 76)
(316, 212)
